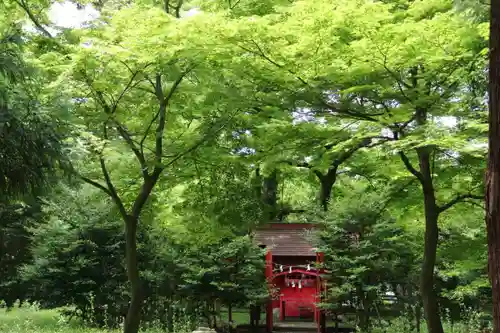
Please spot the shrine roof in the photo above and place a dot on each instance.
(287, 239)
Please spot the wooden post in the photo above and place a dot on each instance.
(269, 277)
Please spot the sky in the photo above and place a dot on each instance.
(66, 14)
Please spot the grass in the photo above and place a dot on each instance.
(239, 317)
(28, 320)
(31, 320)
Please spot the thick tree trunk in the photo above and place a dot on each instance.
(269, 194)
(326, 188)
(133, 318)
(431, 210)
(493, 175)
(327, 181)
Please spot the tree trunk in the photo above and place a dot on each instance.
(431, 210)
(269, 194)
(327, 181)
(418, 318)
(133, 318)
(493, 174)
(170, 318)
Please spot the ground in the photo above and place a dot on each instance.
(32, 320)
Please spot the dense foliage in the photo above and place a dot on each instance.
(183, 125)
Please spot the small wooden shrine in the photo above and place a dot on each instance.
(291, 271)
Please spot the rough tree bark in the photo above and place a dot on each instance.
(326, 182)
(493, 174)
(132, 320)
(267, 191)
(328, 179)
(431, 211)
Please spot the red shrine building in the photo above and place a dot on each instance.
(291, 271)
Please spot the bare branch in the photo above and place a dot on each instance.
(159, 135)
(402, 127)
(111, 110)
(32, 17)
(112, 190)
(158, 92)
(410, 167)
(458, 199)
(144, 137)
(355, 173)
(96, 184)
(233, 5)
(201, 141)
(131, 143)
(129, 85)
(263, 55)
(161, 117)
(350, 113)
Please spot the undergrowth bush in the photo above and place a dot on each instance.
(472, 322)
(30, 319)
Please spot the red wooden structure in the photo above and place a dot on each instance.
(293, 278)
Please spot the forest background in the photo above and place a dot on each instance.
(141, 147)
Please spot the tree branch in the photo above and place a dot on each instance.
(111, 110)
(201, 141)
(346, 155)
(162, 116)
(33, 19)
(410, 167)
(112, 190)
(130, 142)
(347, 112)
(96, 184)
(178, 8)
(458, 199)
(263, 55)
(129, 85)
(233, 5)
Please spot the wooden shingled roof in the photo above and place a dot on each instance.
(287, 239)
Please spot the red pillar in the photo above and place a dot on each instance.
(318, 313)
(269, 277)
